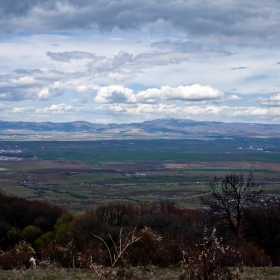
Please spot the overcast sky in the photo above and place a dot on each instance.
(124, 61)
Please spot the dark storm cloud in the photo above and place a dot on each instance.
(245, 22)
(21, 7)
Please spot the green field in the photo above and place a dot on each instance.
(80, 175)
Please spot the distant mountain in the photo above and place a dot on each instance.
(156, 128)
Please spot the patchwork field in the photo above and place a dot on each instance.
(83, 174)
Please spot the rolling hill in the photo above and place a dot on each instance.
(169, 127)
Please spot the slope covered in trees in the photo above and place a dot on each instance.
(161, 234)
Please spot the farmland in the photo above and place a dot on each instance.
(80, 175)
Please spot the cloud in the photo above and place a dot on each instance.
(47, 92)
(194, 93)
(147, 111)
(55, 109)
(30, 85)
(146, 60)
(81, 85)
(181, 46)
(23, 110)
(234, 98)
(125, 65)
(190, 47)
(4, 106)
(73, 55)
(106, 65)
(33, 84)
(239, 68)
(248, 23)
(160, 110)
(273, 101)
(152, 43)
(115, 94)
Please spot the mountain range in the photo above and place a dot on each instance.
(168, 127)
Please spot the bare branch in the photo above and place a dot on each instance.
(110, 255)
(230, 196)
(122, 246)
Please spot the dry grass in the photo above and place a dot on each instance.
(81, 274)
(147, 273)
(261, 273)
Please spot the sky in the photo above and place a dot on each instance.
(123, 61)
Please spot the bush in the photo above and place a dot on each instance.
(17, 257)
(31, 233)
(262, 228)
(212, 260)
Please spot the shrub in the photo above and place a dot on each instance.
(211, 261)
(17, 257)
(262, 228)
(252, 255)
(31, 233)
(145, 251)
(57, 255)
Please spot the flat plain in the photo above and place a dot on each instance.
(80, 175)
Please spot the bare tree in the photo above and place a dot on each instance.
(122, 245)
(117, 255)
(116, 213)
(230, 196)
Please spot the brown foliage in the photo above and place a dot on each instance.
(17, 257)
(54, 254)
(212, 260)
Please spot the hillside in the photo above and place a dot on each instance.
(181, 128)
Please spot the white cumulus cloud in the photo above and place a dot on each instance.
(273, 101)
(115, 94)
(55, 109)
(234, 98)
(194, 93)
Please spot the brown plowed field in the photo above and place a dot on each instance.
(267, 165)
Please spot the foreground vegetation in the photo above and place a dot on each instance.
(123, 240)
(272, 273)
